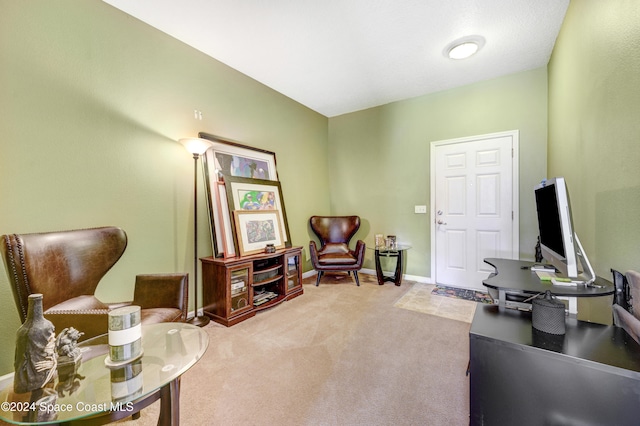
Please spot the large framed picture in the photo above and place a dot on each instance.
(234, 159)
(256, 229)
(230, 158)
(226, 222)
(257, 195)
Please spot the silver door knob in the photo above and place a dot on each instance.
(440, 222)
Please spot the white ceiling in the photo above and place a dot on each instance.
(339, 56)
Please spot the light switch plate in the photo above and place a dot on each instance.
(420, 209)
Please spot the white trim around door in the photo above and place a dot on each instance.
(515, 225)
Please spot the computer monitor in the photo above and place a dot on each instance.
(559, 243)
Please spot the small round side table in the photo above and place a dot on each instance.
(398, 253)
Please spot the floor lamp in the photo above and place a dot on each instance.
(197, 147)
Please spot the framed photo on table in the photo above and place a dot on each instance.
(257, 195)
(256, 229)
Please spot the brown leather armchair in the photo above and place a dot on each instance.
(66, 268)
(334, 233)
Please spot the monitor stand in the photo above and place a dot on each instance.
(587, 270)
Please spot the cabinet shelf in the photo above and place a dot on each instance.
(270, 303)
(267, 281)
(265, 270)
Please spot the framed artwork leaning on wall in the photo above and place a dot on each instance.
(257, 195)
(232, 160)
(256, 229)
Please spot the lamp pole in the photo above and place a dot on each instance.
(196, 147)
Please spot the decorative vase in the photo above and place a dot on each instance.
(125, 335)
(35, 357)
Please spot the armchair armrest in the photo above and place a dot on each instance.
(162, 291)
(313, 251)
(92, 323)
(359, 252)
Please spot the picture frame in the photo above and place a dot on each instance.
(257, 195)
(230, 158)
(228, 243)
(221, 222)
(212, 198)
(256, 229)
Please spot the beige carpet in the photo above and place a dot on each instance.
(337, 355)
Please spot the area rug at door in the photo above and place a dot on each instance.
(461, 293)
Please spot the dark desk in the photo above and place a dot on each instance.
(514, 276)
(589, 376)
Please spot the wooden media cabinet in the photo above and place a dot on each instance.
(235, 288)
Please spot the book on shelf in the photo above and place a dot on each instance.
(261, 298)
(265, 295)
(237, 284)
(261, 302)
(238, 290)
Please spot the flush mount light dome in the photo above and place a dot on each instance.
(464, 47)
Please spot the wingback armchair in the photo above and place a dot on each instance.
(335, 233)
(66, 268)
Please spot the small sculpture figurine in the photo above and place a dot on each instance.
(69, 359)
(67, 343)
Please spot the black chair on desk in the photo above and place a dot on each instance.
(624, 315)
(621, 296)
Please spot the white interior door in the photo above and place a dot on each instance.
(474, 203)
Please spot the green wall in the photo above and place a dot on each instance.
(594, 127)
(92, 102)
(379, 157)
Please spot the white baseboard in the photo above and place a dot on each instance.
(309, 273)
(419, 279)
(191, 315)
(416, 278)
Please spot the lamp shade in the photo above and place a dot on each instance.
(195, 145)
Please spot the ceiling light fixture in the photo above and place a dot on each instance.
(464, 47)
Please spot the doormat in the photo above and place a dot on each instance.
(462, 293)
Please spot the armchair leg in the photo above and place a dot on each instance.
(318, 276)
(355, 275)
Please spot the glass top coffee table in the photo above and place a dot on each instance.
(396, 251)
(93, 393)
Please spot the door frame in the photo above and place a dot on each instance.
(515, 222)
